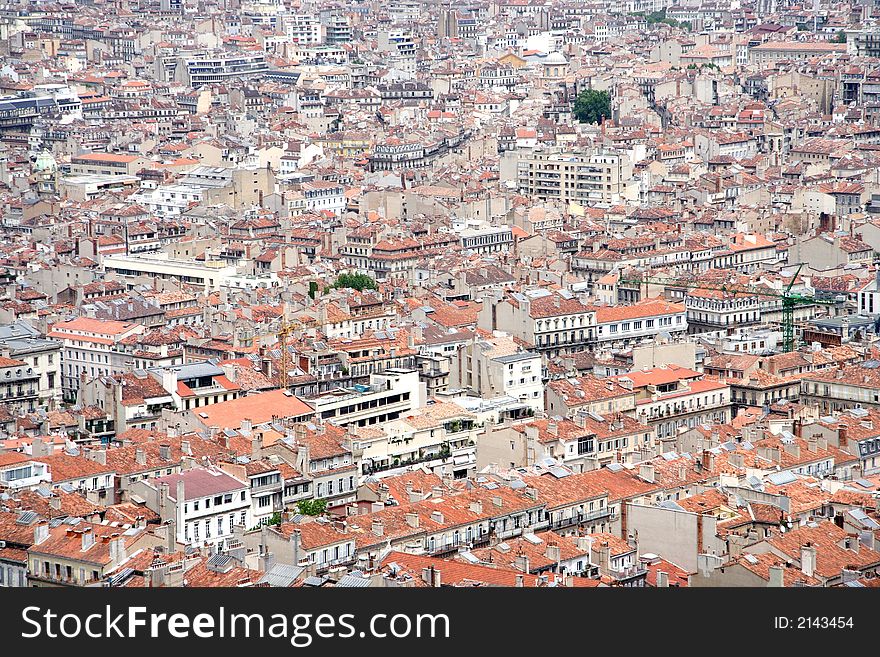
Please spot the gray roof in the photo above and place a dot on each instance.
(512, 358)
(354, 580)
(281, 575)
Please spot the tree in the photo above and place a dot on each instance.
(359, 282)
(592, 106)
(311, 507)
(840, 37)
(275, 519)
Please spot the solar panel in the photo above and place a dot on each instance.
(26, 518)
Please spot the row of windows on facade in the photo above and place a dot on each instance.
(209, 523)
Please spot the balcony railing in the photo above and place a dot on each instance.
(580, 518)
(630, 572)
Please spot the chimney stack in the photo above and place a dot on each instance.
(808, 559)
(88, 538)
(776, 573)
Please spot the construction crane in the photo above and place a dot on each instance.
(284, 332)
(790, 300)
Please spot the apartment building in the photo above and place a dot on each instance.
(106, 164)
(18, 471)
(622, 326)
(196, 384)
(204, 504)
(553, 323)
(589, 394)
(841, 388)
(573, 177)
(386, 397)
(19, 385)
(671, 397)
(207, 69)
(441, 436)
(80, 554)
(498, 367)
(769, 52)
(91, 349)
(587, 442)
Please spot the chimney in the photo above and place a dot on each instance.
(522, 563)
(256, 446)
(378, 527)
(180, 492)
(646, 472)
(842, 438)
(519, 581)
(171, 432)
(776, 573)
(476, 507)
(117, 550)
(165, 452)
(708, 460)
(55, 502)
(662, 580)
(808, 559)
(41, 532)
(140, 456)
(553, 552)
(412, 519)
(185, 448)
(88, 538)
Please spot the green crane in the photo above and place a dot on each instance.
(790, 300)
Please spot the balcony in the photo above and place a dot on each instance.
(629, 573)
(580, 518)
(273, 487)
(454, 545)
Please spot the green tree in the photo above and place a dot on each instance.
(359, 282)
(592, 106)
(311, 507)
(275, 519)
(840, 37)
